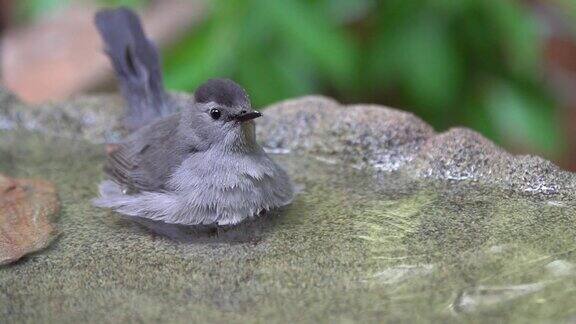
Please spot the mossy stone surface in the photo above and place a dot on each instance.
(355, 246)
(392, 222)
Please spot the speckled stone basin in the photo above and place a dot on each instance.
(392, 222)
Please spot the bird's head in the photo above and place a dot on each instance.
(223, 114)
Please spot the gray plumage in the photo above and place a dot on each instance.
(199, 166)
(137, 65)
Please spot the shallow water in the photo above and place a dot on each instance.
(353, 246)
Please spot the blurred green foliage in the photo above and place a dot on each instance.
(466, 62)
(27, 10)
(453, 62)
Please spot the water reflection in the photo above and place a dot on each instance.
(471, 299)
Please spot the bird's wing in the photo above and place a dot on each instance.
(145, 161)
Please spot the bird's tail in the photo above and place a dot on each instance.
(137, 65)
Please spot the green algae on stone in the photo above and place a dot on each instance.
(388, 224)
(106, 268)
(478, 253)
(359, 246)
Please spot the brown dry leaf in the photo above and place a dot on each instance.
(26, 209)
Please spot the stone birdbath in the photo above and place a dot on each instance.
(392, 222)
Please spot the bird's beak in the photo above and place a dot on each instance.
(246, 116)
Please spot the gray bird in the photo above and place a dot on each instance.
(199, 166)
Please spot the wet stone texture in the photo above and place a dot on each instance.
(361, 135)
(27, 210)
(392, 140)
(393, 223)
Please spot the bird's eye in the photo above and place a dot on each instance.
(215, 113)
